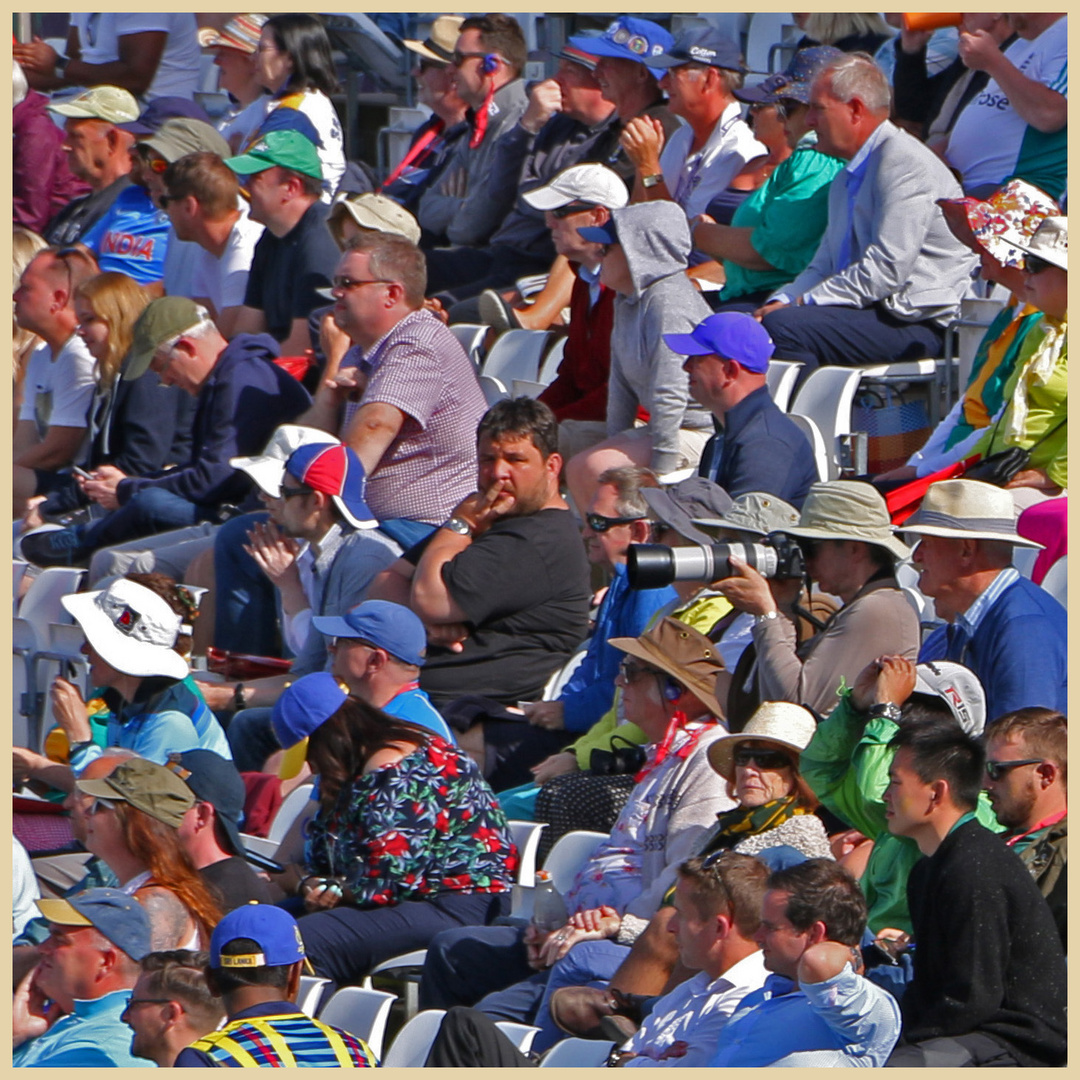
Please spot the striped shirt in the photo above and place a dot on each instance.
(276, 1036)
(419, 368)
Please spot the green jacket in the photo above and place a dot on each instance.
(847, 766)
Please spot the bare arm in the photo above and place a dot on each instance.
(299, 340)
(374, 427)
(56, 450)
(429, 596)
(139, 56)
(394, 583)
(250, 320)
(728, 242)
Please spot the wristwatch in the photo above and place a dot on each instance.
(238, 697)
(885, 709)
(61, 66)
(766, 617)
(652, 181)
(458, 525)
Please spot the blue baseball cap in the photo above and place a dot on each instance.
(732, 335)
(161, 109)
(600, 234)
(795, 80)
(392, 627)
(119, 917)
(272, 928)
(305, 706)
(703, 45)
(628, 38)
(335, 470)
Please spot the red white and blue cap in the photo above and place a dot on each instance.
(334, 469)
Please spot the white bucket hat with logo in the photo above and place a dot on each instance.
(131, 628)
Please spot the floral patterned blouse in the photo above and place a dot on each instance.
(426, 825)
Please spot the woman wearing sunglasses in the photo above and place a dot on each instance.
(761, 765)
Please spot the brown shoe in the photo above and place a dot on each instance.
(617, 1028)
(577, 1010)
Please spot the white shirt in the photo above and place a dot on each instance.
(58, 390)
(694, 180)
(695, 1012)
(24, 888)
(988, 136)
(223, 280)
(237, 127)
(319, 109)
(178, 269)
(177, 74)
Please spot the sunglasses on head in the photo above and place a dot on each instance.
(998, 769)
(764, 759)
(1034, 265)
(598, 523)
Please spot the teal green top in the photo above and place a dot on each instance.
(788, 214)
(847, 767)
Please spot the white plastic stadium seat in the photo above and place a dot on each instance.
(362, 1013)
(817, 443)
(780, 379)
(826, 398)
(1056, 582)
(309, 994)
(410, 1049)
(516, 355)
(577, 1054)
(526, 836)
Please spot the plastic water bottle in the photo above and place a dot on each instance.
(549, 908)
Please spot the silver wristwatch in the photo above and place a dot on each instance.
(456, 524)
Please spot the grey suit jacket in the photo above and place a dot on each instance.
(903, 255)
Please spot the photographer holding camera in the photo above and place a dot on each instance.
(849, 549)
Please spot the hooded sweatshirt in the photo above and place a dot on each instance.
(656, 241)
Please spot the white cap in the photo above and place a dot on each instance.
(268, 468)
(591, 183)
(131, 628)
(959, 688)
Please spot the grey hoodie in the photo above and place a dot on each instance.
(655, 238)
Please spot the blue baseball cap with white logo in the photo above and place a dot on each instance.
(388, 626)
(704, 45)
(628, 38)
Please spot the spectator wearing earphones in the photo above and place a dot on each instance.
(488, 60)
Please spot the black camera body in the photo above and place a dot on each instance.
(652, 566)
(619, 760)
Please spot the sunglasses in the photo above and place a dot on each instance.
(631, 671)
(998, 769)
(571, 208)
(291, 493)
(154, 164)
(459, 58)
(1034, 265)
(600, 524)
(764, 759)
(347, 284)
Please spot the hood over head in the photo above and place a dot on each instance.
(656, 239)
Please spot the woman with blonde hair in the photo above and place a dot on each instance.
(24, 246)
(138, 427)
(849, 31)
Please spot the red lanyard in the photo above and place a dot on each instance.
(1053, 819)
(480, 121)
(415, 151)
(677, 723)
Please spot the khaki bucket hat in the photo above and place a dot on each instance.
(847, 510)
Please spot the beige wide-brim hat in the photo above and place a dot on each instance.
(441, 39)
(967, 510)
(686, 655)
(789, 726)
(847, 510)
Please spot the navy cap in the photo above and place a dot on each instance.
(734, 335)
(600, 234)
(628, 38)
(216, 781)
(286, 119)
(161, 109)
(795, 80)
(305, 706)
(703, 45)
(119, 917)
(272, 928)
(392, 627)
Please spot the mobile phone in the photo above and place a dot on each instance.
(81, 472)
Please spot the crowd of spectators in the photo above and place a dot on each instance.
(820, 722)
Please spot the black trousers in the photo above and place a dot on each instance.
(468, 1039)
(849, 337)
(973, 1050)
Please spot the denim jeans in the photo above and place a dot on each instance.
(246, 615)
(149, 511)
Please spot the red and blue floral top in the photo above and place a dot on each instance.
(428, 824)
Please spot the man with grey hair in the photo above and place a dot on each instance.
(241, 397)
(888, 275)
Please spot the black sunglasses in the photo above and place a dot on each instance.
(997, 769)
(764, 759)
(572, 208)
(289, 493)
(598, 523)
(1034, 265)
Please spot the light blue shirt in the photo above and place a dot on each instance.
(845, 1021)
(91, 1037)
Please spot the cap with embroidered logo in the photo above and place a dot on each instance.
(272, 929)
(628, 38)
(702, 45)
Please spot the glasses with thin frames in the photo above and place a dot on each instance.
(997, 769)
(631, 671)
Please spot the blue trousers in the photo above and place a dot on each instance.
(346, 942)
(149, 511)
(849, 337)
(252, 739)
(246, 613)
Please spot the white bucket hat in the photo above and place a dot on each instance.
(789, 726)
(268, 468)
(966, 510)
(131, 628)
(847, 510)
